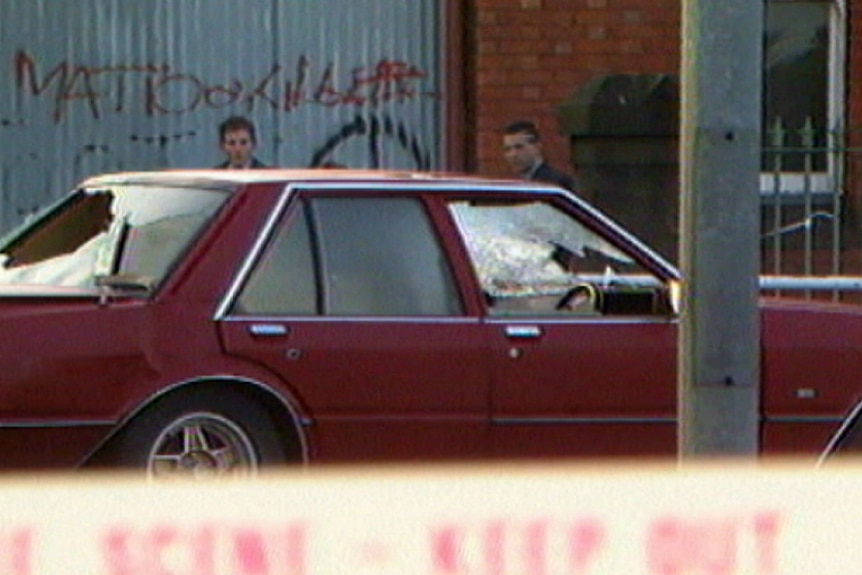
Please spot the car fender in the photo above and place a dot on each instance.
(288, 408)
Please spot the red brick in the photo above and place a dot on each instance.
(528, 61)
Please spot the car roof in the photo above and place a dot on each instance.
(220, 177)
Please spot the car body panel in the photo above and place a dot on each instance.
(78, 364)
(811, 381)
(378, 388)
(71, 368)
(588, 386)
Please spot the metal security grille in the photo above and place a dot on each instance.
(807, 223)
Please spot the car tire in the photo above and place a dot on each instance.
(201, 435)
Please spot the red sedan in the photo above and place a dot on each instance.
(213, 322)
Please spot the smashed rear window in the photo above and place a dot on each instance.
(98, 235)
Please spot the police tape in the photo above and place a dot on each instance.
(501, 520)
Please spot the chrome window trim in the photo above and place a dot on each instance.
(245, 269)
(294, 319)
(425, 186)
(562, 319)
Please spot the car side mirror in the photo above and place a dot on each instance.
(674, 296)
(125, 284)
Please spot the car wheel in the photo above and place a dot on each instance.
(200, 436)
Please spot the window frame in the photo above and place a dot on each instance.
(302, 202)
(820, 182)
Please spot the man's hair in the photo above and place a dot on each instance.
(522, 127)
(236, 123)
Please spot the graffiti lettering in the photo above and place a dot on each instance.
(374, 131)
(160, 90)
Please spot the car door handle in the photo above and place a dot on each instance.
(268, 329)
(523, 331)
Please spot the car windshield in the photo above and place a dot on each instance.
(130, 232)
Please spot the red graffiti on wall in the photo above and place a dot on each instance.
(157, 89)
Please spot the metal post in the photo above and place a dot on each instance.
(720, 145)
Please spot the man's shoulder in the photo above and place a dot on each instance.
(255, 163)
(547, 173)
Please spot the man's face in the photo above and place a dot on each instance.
(521, 151)
(238, 147)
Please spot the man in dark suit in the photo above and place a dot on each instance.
(523, 151)
(238, 140)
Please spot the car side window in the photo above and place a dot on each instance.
(284, 281)
(353, 256)
(133, 233)
(531, 258)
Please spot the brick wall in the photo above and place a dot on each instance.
(529, 56)
(526, 57)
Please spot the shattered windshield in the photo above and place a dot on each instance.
(133, 232)
(523, 248)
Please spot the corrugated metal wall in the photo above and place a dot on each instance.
(105, 85)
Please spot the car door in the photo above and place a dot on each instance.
(351, 301)
(582, 337)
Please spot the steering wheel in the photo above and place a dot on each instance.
(582, 298)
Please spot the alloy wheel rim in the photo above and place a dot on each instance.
(202, 445)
